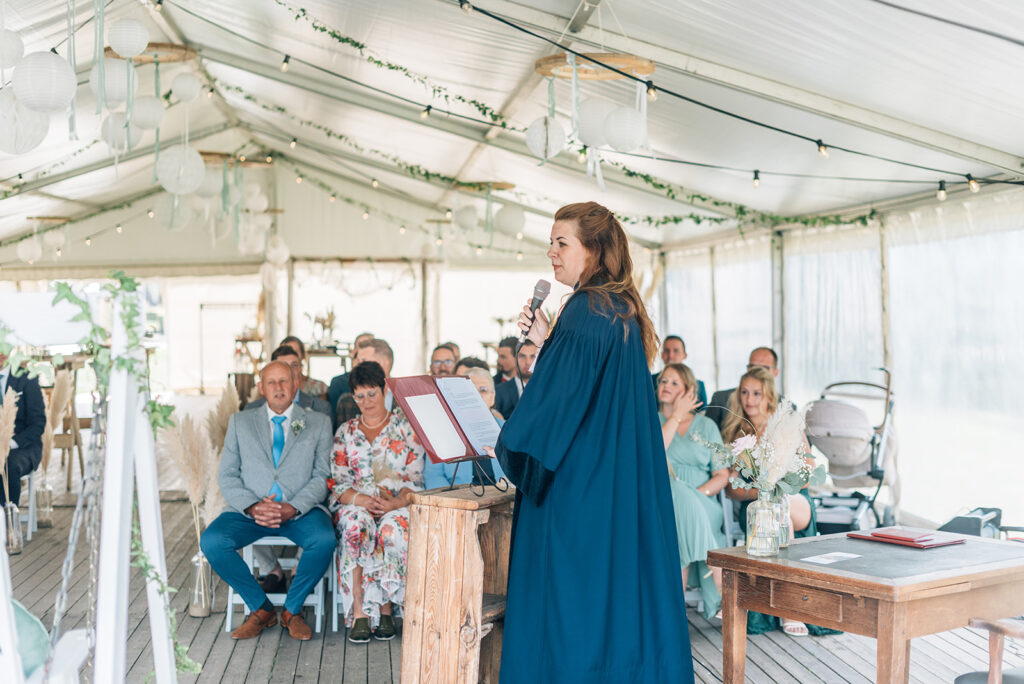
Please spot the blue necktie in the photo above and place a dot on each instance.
(276, 449)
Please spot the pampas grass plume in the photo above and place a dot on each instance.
(8, 416)
(60, 399)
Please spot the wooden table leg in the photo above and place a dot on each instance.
(893, 644)
(734, 631)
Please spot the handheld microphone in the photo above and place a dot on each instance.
(540, 293)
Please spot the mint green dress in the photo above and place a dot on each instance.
(699, 518)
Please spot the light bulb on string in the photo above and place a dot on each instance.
(822, 150)
(941, 194)
(88, 242)
(333, 197)
(366, 215)
(293, 143)
(652, 92)
(466, 7)
(374, 183)
(209, 92)
(401, 230)
(479, 251)
(158, 5)
(298, 179)
(59, 252)
(757, 178)
(448, 213)
(150, 213)
(519, 235)
(426, 112)
(119, 229)
(519, 256)
(972, 183)
(582, 156)
(270, 159)
(241, 158)
(284, 63)
(439, 241)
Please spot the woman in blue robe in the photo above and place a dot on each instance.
(594, 592)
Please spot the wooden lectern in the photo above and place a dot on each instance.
(457, 576)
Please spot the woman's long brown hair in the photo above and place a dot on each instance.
(609, 268)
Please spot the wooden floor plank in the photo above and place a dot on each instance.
(378, 660)
(396, 658)
(307, 665)
(287, 657)
(356, 657)
(332, 656)
(825, 666)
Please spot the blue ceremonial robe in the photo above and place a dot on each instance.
(594, 593)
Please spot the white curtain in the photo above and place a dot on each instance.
(688, 295)
(832, 310)
(743, 306)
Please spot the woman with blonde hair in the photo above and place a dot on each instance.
(695, 481)
(594, 590)
(750, 406)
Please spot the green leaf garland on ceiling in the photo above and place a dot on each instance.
(437, 91)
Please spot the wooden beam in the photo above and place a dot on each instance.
(767, 89)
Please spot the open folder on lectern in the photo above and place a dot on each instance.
(449, 416)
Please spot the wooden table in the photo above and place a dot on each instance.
(892, 593)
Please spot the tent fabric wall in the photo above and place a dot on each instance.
(743, 306)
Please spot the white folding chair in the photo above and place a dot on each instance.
(29, 516)
(315, 597)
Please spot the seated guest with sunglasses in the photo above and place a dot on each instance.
(377, 466)
(444, 474)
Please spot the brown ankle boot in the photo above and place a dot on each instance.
(296, 626)
(257, 621)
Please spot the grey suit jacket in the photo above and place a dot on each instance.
(306, 401)
(247, 469)
(719, 399)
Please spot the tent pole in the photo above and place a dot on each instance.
(714, 316)
(779, 302)
(883, 256)
(291, 294)
(423, 314)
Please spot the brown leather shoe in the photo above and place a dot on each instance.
(296, 626)
(257, 621)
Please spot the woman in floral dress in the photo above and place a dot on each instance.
(376, 468)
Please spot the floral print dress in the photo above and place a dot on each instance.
(378, 545)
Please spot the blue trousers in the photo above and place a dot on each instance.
(312, 532)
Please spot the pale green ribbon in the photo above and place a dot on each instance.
(72, 132)
(98, 56)
(156, 90)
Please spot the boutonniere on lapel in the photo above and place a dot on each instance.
(298, 426)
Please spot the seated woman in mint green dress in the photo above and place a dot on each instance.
(695, 482)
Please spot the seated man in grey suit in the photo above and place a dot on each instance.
(27, 443)
(762, 356)
(273, 475)
(288, 356)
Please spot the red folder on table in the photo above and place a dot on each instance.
(438, 427)
(904, 536)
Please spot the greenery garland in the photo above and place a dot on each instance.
(436, 91)
(16, 189)
(412, 169)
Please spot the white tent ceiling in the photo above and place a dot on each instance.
(855, 74)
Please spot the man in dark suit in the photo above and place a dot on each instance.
(287, 355)
(766, 358)
(339, 383)
(506, 361)
(27, 443)
(673, 350)
(507, 394)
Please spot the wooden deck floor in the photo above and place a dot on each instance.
(328, 657)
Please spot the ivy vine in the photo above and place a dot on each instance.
(437, 91)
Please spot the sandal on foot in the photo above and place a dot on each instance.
(794, 628)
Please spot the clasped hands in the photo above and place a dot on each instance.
(381, 503)
(270, 513)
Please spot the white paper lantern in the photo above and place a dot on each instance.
(465, 217)
(44, 82)
(625, 129)
(148, 112)
(180, 170)
(54, 239)
(11, 49)
(592, 116)
(116, 136)
(128, 37)
(510, 219)
(252, 189)
(277, 252)
(261, 221)
(213, 182)
(251, 240)
(185, 87)
(21, 129)
(545, 137)
(173, 217)
(115, 80)
(29, 250)
(257, 203)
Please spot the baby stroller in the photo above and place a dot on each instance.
(860, 455)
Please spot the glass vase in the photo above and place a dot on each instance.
(781, 502)
(15, 542)
(762, 527)
(44, 505)
(202, 586)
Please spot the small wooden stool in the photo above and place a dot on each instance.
(456, 581)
